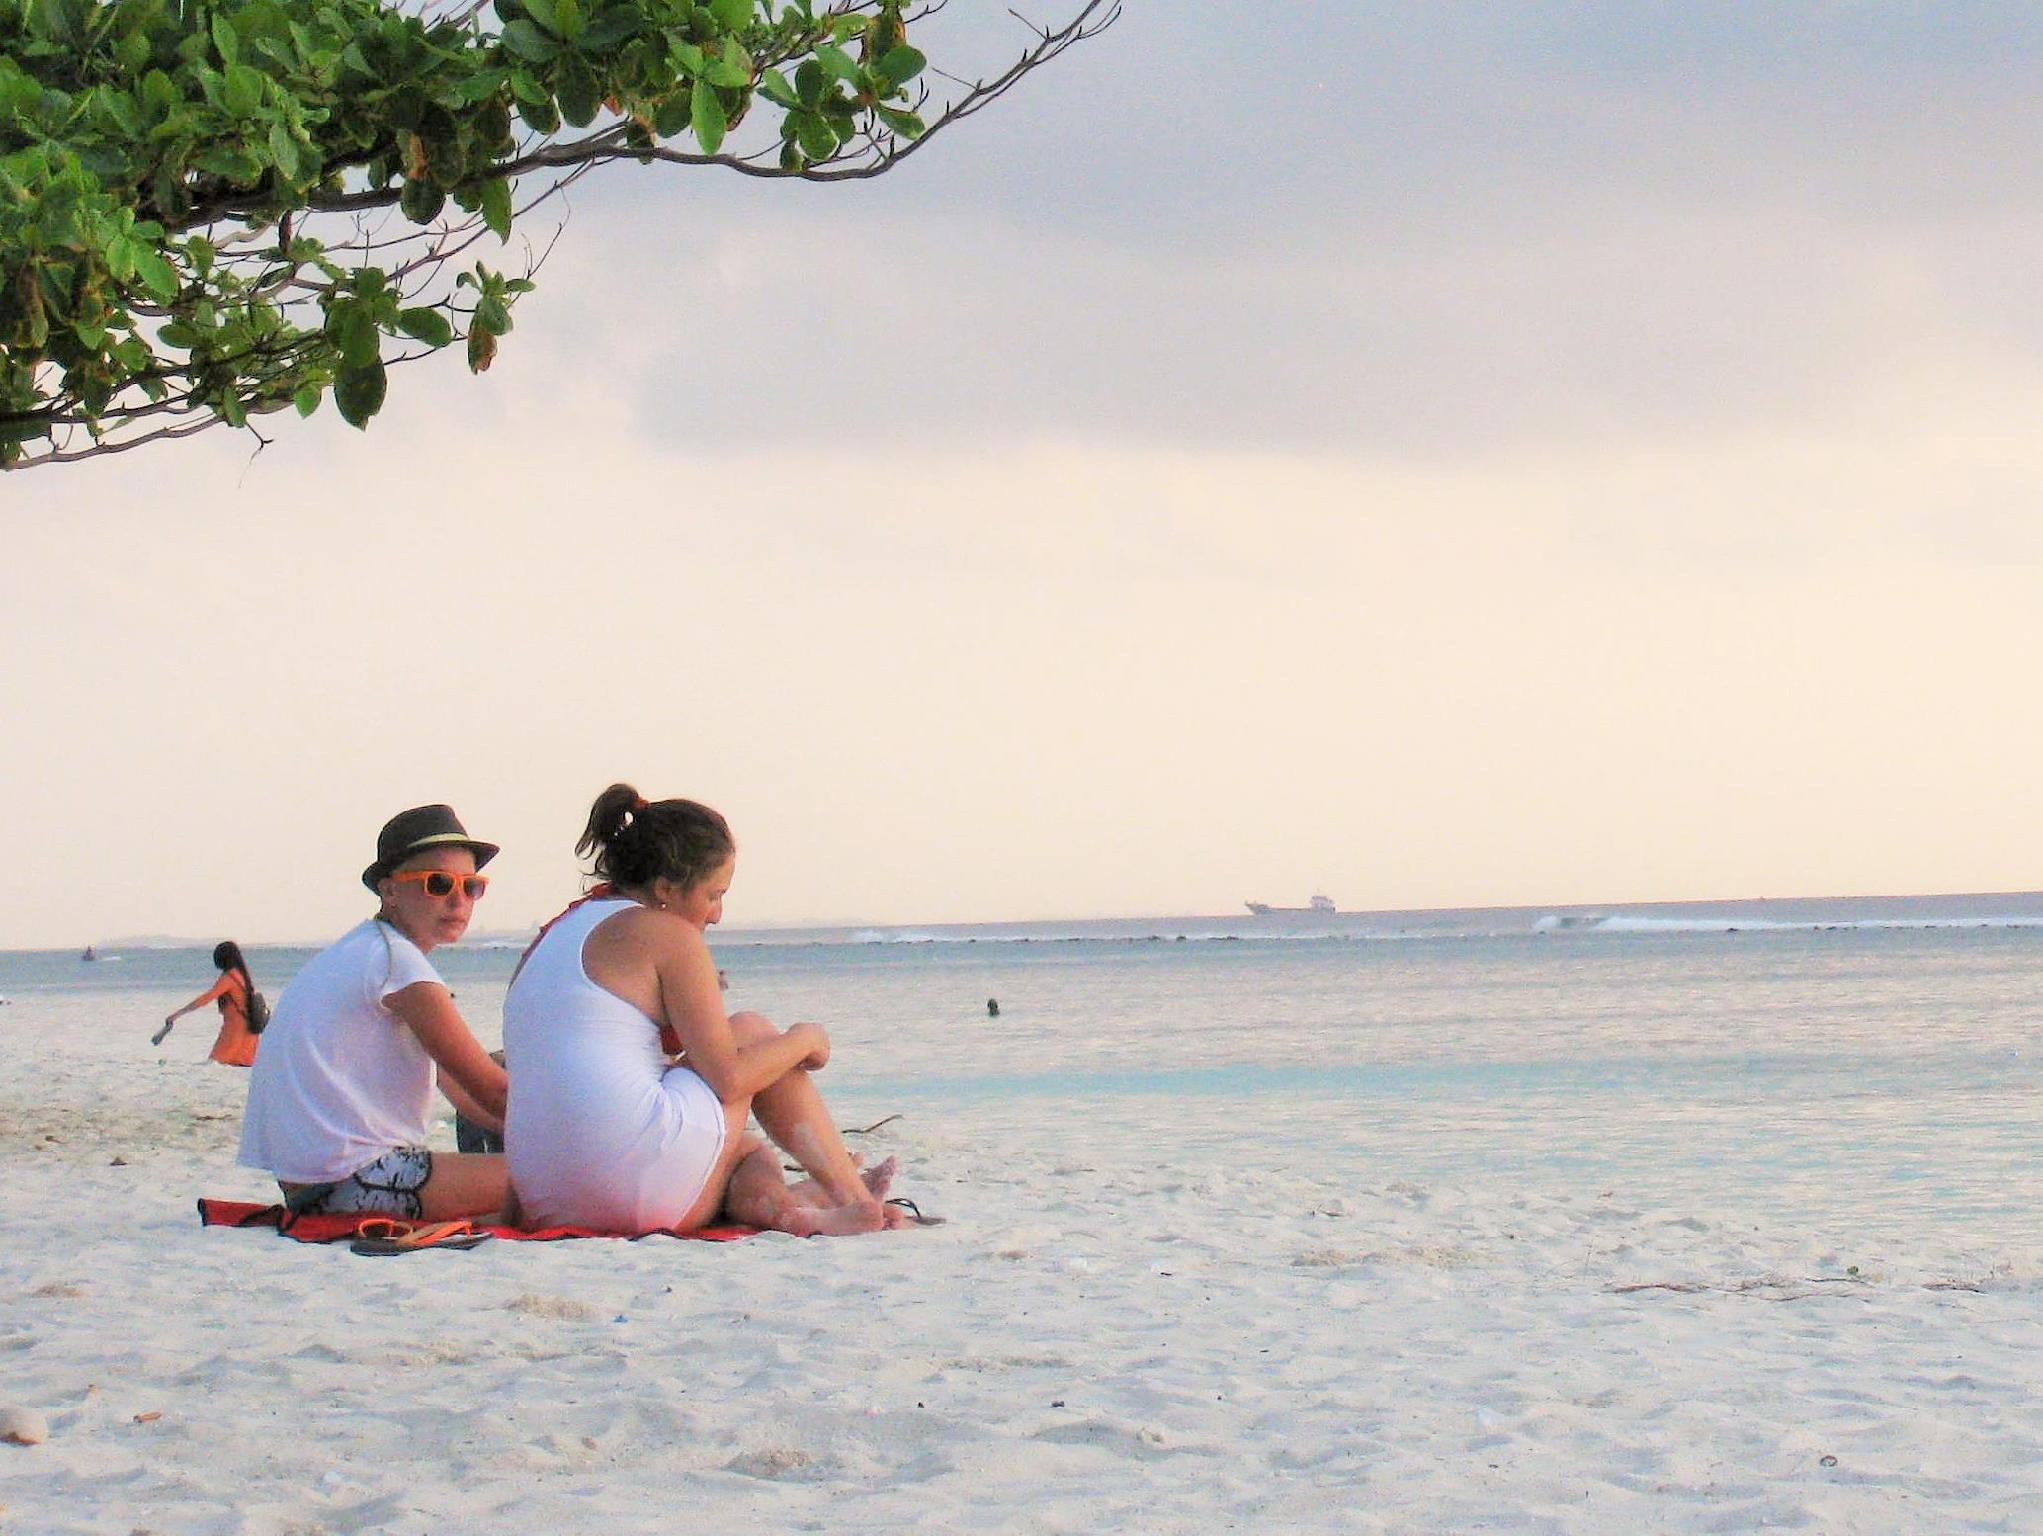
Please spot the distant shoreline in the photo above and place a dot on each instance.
(1801, 910)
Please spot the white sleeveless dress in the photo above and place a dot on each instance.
(601, 1132)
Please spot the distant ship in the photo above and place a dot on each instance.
(1321, 905)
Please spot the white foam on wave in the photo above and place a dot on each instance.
(1624, 922)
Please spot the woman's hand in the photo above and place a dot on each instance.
(818, 1043)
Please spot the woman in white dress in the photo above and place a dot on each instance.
(609, 1130)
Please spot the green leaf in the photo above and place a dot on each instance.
(525, 87)
(243, 94)
(809, 82)
(528, 42)
(285, 148)
(496, 208)
(569, 14)
(543, 12)
(421, 201)
(576, 89)
(734, 69)
(837, 62)
(540, 117)
(774, 87)
(133, 50)
(906, 124)
(733, 15)
(706, 115)
(354, 332)
(307, 399)
(120, 257)
(159, 94)
(492, 316)
(231, 412)
(818, 138)
(225, 41)
(673, 115)
(120, 106)
(482, 85)
(903, 64)
(156, 273)
(359, 392)
(610, 29)
(426, 325)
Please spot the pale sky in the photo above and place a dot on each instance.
(1433, 455)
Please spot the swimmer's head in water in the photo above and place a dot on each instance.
(636, 842)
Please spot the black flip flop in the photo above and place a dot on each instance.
(915, 1213)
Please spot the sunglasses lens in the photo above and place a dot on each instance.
(474, 886)
(438, 884)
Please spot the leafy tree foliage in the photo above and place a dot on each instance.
(215, 209)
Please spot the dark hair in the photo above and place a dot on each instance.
(227, 956)
(636, 843)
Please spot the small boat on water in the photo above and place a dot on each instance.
(1322, 906)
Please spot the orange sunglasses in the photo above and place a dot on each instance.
(439, 883)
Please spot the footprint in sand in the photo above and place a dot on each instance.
(773, 1461)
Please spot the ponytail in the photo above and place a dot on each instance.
(635, 842)
(613, 808)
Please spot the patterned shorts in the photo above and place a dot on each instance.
(389, 1186)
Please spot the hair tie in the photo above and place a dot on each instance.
(638, 804)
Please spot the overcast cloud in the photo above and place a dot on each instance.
(1438, 455)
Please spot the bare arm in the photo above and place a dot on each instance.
(212, 994)
(468, 1108)
(466, 1072)
(693, 1004)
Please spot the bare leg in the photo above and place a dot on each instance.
(792, 1112)
(758, 1196)
(471, 1184)
(877, 1182)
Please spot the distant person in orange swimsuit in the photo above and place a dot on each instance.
(235, 1046)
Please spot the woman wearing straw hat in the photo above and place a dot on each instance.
(342, 1091)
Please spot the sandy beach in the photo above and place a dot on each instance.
(1175, 1319)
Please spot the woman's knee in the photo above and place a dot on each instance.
(751, 1028)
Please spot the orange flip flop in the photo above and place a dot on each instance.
(382, 1236)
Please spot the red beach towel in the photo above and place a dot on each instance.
(334, 1229)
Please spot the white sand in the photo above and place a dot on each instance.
(1173, 1324)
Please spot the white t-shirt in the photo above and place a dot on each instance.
(340, 1079)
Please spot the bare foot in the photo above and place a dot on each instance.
(879, 1180)
(834, 1220)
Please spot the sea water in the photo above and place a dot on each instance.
(1855, 1063)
